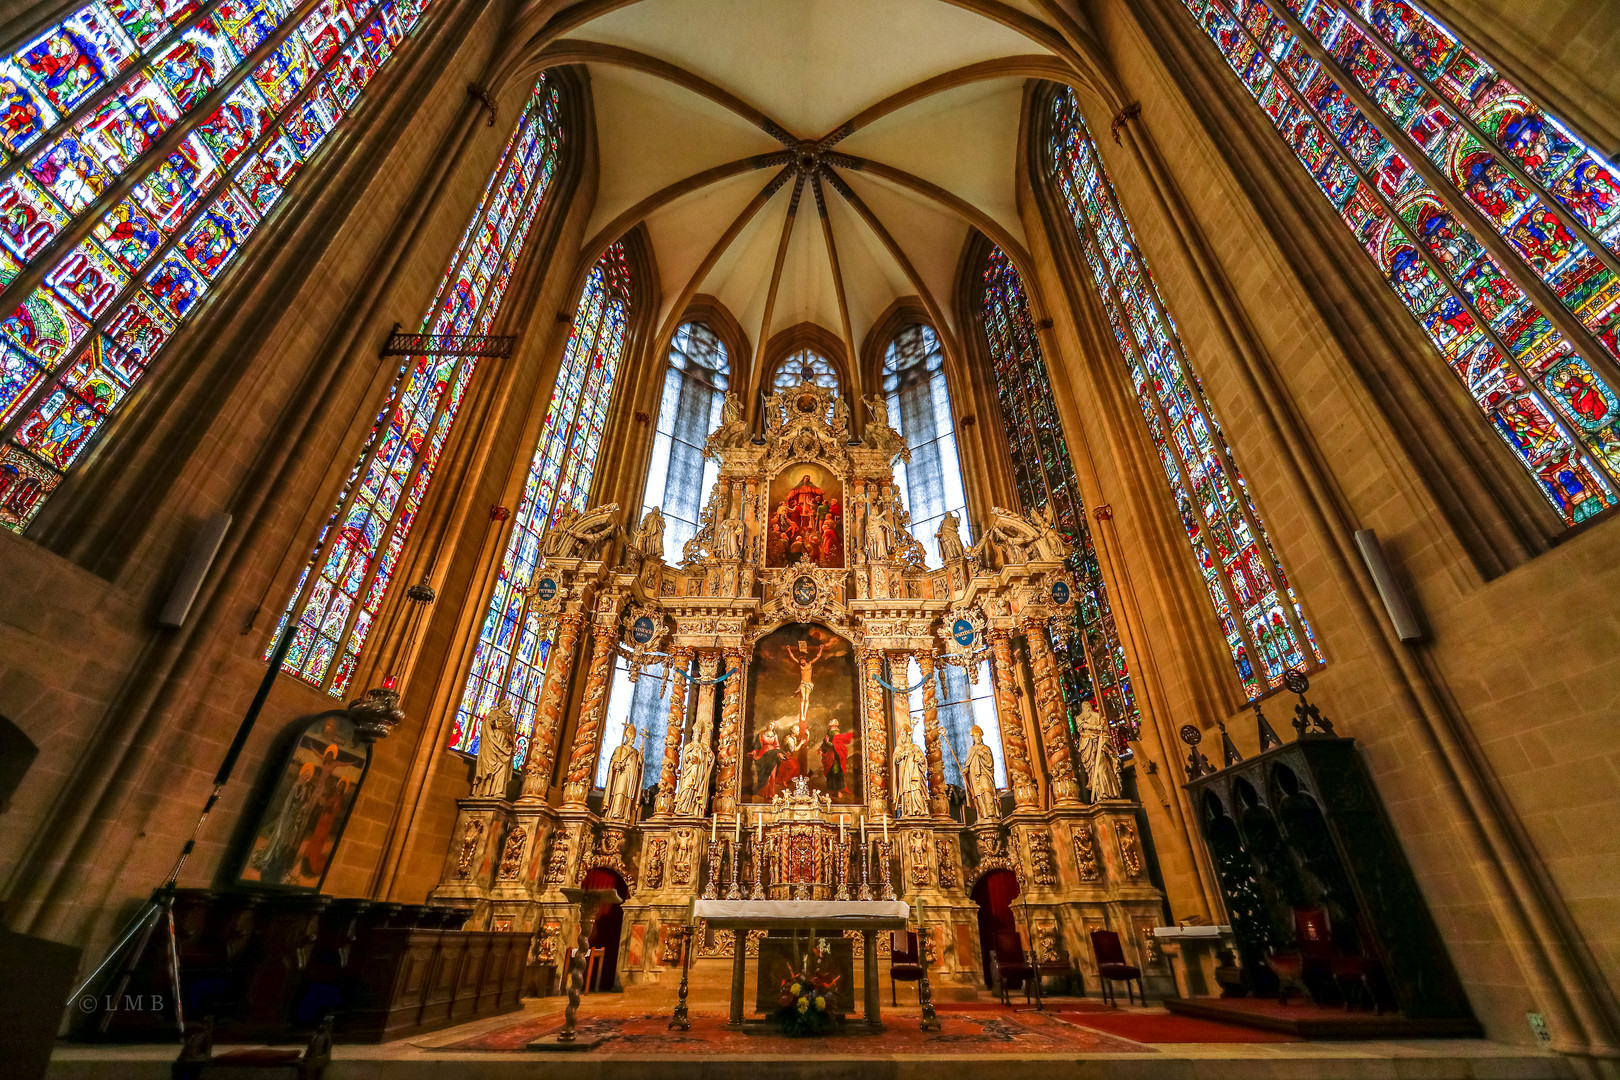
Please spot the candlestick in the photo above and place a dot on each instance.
(714, 871)
(866, 857)
(734, 891)
(759, 863)
(888, 889)
(843, 867)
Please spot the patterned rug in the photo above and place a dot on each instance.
(963, 1033)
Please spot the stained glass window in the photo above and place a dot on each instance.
(509, 661)
(920, 409)
(97, 280)
(1257, 609)
(1092, 661)
(680, 478)
(1496, 226)
(359, 547)
(805, 366)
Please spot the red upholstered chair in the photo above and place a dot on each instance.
(1112, 968)
(905, 961)
(1313, 951)
(1007, 961)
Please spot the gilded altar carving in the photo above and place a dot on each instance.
(1052, 715)
(1130, 852)
(469, 848)
(580, 534)
(1041, 866)
(946, 856)
(548, 720)
(652, 864)
(917, 852)
(1013, 747)
(681, 857)
(545, 942)
(512, 854)
(1085, 851)
(557, 867)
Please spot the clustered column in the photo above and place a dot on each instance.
(680, 661)
(548, 717)
(938, 801)
(582, 758)
(729, 760)
(1013, 746)
(1053, 718)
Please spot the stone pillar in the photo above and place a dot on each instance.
(1052, 717)
(553, 699)
(728, 759)
(877, 736)
(933, 737)
(1013, 747)
(582, 757)
(674, 725)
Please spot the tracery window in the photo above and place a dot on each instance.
(1093, 661)
(805, 366)
(1258, 612)
(695, 383)
(378, 504)
(688, 412)
(113, 229)
(510, 658)
(1497, 227)
(962, 704)
(920, 410)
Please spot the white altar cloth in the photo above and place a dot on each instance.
(829, 911)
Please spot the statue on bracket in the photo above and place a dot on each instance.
(879, 435)
(1015, 539)
(623, 792)
(980, 778)
(733, 429)
(1097, 755)
(910, 775)
(729, 538)
(493, 771)
(647, 542)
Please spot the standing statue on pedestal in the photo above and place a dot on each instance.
(980, 778)
(879, 529)
(493, 771)
(1097, 755)
(950, 538)
(648, 540)
(623, 792)
(910, 776)
(697, 765)
(729, 542)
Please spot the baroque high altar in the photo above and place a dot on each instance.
(803, 600)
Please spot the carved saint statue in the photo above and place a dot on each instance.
(910, 776)
(576, 535)
(1016, 539)
(623, 792)
(1097, 755)
(950, 538)
(648, 542)
(879, 435)
(980, 768)
(493, 772)
(697, 764)
(880, 529)
(733, 429)
(729, 533)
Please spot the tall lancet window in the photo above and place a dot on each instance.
(1496, 226)
(340, 592)
(1095, 662)
(142, 145)
(1258, 612)
(678, 483)
(920, 409)
(510, 660)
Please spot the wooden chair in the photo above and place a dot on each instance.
(1007, 962)
(592, 959)
(1112, 968)
(905, 961)
(1313, 951)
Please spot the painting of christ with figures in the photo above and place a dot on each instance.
(806, 518)
(801, 718)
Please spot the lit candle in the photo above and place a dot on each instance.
(714, 828)
(885, 828)
(736, 827)
(863, 832)
(840, 829)
(759, 827)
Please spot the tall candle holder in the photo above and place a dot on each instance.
(758, 892)
(710, 889)
(734, 891)
(883, 865)
(843, 871)
(866, 889)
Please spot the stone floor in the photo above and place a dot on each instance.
(423, 1057)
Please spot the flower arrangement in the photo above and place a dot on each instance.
(809, 997)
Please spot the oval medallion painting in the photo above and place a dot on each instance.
(962, 631)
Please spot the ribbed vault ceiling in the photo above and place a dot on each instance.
(807, 160)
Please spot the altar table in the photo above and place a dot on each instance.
(867, 916)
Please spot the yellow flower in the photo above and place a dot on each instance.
(804, 1004)
(794, 989)
(821, 1003)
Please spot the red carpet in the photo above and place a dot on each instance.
(997, 1032)
(1162, 1028)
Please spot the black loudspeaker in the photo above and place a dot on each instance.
(201, 556)
(1405, 620)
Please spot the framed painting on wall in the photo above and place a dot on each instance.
(302, 820)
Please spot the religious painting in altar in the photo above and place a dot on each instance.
(303, 819)
(801, 718)
(806, 517)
